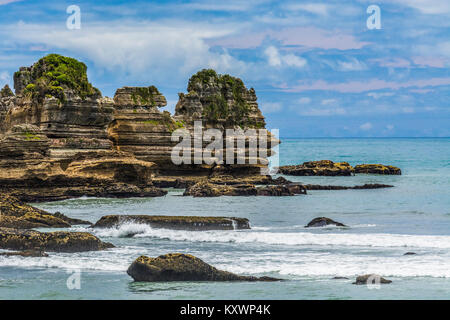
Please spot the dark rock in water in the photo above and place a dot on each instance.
(377, 169)
(280, 180)
(332, 187)
(60, 241)
(182, 267)
(339, 278)
(281, 190)
(409, 253)
(207, 189)
(322, 222)
(318, 168)
(176, 222)
(373, 186)
(25, 253)
(71, 221)
(371, 279)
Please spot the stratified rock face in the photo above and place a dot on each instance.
(318, 168)
(377, 169)
(371, 279)
(61, 139)
(181, 267)
(322, 222)
(176, 222)
(220, 101)
(223, 102)
(60, 241)
(55, 95)
(140, 128)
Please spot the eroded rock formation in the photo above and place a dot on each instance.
(60, 138)
(318, 168)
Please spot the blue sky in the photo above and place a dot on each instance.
(317, 69)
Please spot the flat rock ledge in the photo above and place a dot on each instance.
(371, 279)
(318, 168)
(360, 187)
(182, 267)
(208, 189)
(330, 168)
(59, 241)
(377, 169)
(17, 214)
(322, 222)
(190, 223)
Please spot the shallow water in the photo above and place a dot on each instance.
(384, 224)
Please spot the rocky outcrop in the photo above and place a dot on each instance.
(377, 169)
(361, 187)
(181, 267)
(60, 241)
(322, 222)
(190, 223)
(318, 168)
(16, 214)
(205, 188)
(223, 102)
(371, 279)
(61, 138)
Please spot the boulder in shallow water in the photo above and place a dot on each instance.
(191, 223)
(377, 169)
(59, 241)
(322, 222)
(371, 279)
(182, 267)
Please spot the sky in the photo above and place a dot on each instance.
(317, 68)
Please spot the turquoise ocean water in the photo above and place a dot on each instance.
(384, 224)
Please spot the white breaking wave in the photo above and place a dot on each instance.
(280, 238)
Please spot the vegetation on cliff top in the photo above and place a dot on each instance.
(216, 106)
(145, 95)
(53, 74)
(6, 92)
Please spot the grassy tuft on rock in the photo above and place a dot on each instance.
(54, 74)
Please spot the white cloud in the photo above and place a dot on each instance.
(316, 8)
(408, 110)
(352, 64)
(366, 126)
(390, 127)
(2, 2)
(304, 100)
(271, 107)
(275, 59)
(273, 56)
(322, 112)
(378, 95)
(141, 50)
(328, 101)
(4, 77)
(427, 6)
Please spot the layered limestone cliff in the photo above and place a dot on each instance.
(60, 138)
